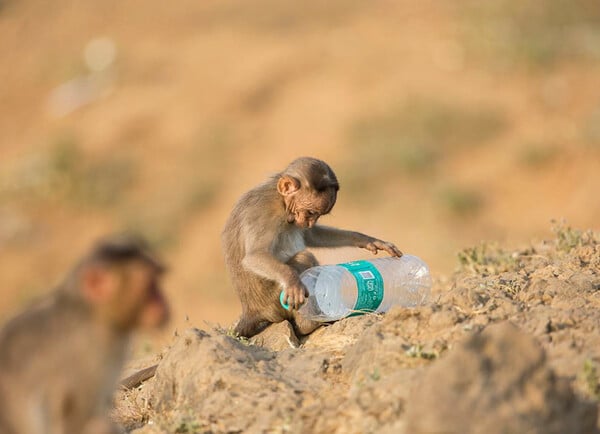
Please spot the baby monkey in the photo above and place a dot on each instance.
(265, 238)
(60, 359)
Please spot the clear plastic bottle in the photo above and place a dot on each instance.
(353, 288)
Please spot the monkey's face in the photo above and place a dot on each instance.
(312, 205)
(308, 195)
(127, 296)
(306, 206)
(142, 291)
(151, 307)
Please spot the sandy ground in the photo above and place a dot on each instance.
(509, 344)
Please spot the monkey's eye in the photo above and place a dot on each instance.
(312, 213)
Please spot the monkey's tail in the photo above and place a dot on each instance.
(138, 378)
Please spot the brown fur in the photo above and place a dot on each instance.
(265, 237)
(60, 359)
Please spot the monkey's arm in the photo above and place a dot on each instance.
(325, 236)
(264, 264)
(260, 259)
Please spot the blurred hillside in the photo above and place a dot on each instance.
(446, 122)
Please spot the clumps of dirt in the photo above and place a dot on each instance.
(499, 382)
(551, 290)
(206, 382)
(441, 367)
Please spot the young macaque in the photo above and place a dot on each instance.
(60, 359)
(265, 238)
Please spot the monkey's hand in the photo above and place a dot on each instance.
(295, 294)
(374, 245)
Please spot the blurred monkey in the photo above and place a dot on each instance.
(60, 359)
(265, 238)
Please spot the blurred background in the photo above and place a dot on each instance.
(447, 122)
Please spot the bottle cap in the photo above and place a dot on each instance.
(284, 305)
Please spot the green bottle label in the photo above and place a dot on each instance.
(369, 283)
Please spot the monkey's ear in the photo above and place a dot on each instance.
(287, 185)
(97, 284)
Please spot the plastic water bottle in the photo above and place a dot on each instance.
(357, 287)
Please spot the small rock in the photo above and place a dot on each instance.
(277, 337)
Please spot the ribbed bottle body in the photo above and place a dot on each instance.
(337, 291)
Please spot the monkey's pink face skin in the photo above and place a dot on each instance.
(152, 309)
(129, 296)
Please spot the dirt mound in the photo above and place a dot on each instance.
(207, 381)
(497, 381)
(410, 370)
